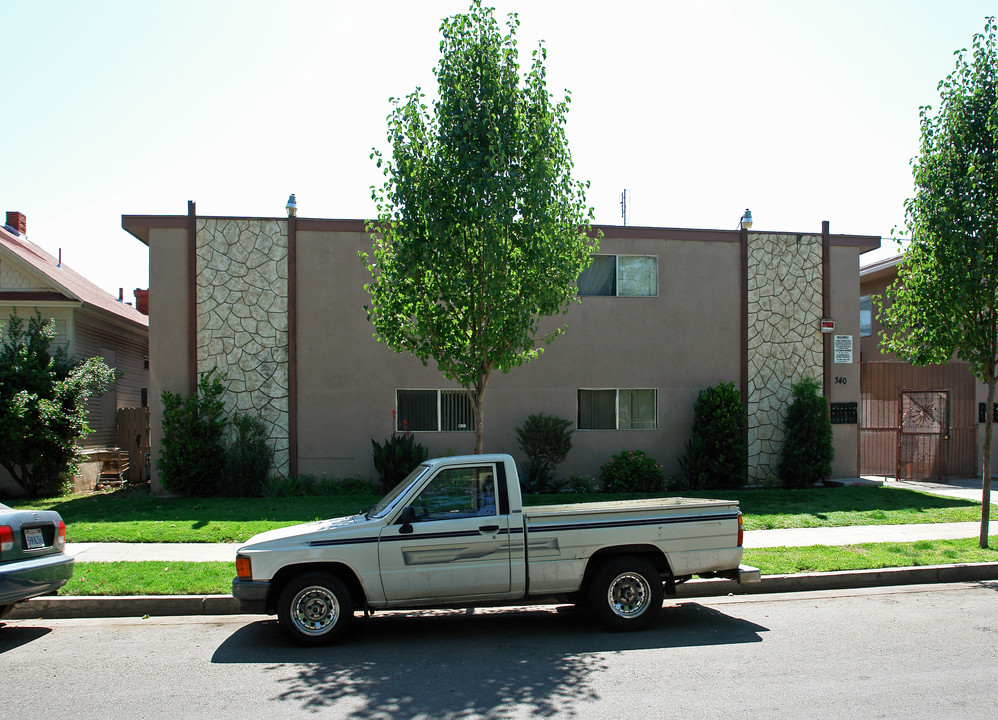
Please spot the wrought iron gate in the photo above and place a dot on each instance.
(923, 432)
(880, 421)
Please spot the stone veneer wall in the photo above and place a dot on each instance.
(242, 318)
(784, 337)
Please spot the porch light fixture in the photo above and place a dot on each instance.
(292, 206)
(746, 223)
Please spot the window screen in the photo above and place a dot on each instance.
(455, 411)
(637, 276)
(433, 410)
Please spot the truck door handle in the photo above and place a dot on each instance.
(488, 529)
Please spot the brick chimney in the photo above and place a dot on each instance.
(142, 301)
(17, 222)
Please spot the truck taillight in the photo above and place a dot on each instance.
(243, 567)
(741, 530)
(6, 538)
(60, 536)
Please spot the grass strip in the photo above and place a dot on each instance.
(135, 515)
(215, 578)
(869, 556)
(151, 578)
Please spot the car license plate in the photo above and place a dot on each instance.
(33, 538)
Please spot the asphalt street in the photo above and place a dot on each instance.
(912, 652)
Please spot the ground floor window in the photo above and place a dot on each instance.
(433, 411)
(618, 409)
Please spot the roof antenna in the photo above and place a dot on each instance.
(623, 205)
(59, 264)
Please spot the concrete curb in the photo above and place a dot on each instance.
(52, 607)
(844, 580)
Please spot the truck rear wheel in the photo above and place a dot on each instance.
(315, 608)
(626, 593)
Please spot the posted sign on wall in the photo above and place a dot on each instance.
(842, 348)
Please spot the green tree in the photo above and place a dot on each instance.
(945, 299)
(481, 230)
(43, 398)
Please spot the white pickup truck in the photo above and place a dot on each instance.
(454, 533)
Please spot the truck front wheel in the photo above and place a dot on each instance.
(626, 593)
(315, 608)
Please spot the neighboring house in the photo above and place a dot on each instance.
(915, 422)
(89, 323)
(277, 304)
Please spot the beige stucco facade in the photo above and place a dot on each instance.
(704, 324)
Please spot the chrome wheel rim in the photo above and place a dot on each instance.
(315, 610)
(628, 595)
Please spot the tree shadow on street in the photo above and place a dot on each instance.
(451, 664)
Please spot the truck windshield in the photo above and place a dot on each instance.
(386, 503)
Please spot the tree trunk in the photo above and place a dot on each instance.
(477, 396)
(986, 476)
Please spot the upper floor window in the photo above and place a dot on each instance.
(620, 276)
(865, 317)
(433, 411)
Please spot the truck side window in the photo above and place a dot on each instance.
(458, 493)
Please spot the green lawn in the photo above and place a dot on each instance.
(134, 515)
(215, 578)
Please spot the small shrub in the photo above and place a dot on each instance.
(537, 477)
(396, 458)
(353, 485)
(632, 471)
(192, 452)
(716, 454)
(545, 440)
(582, 484)
(249, 455)
(807, 452)
(278, 486)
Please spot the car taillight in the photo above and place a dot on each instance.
(243, 567)
(741, 530)
(60, 537)
(6, 538)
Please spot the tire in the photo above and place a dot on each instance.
(315, 608)
(626, 593)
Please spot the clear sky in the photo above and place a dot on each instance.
(801, 111)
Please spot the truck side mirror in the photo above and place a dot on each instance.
(406, 519)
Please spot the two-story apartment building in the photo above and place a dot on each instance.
(277, 304)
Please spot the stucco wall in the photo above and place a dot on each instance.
(784, 341)
(168, 343)
(679, 342)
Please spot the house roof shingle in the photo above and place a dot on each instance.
(66, 281)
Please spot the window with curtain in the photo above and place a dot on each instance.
(620, 276)
(433, 411)
(628, 409)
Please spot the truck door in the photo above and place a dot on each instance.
(455, 543)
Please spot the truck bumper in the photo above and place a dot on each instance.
(748, 574)
(252, 595)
